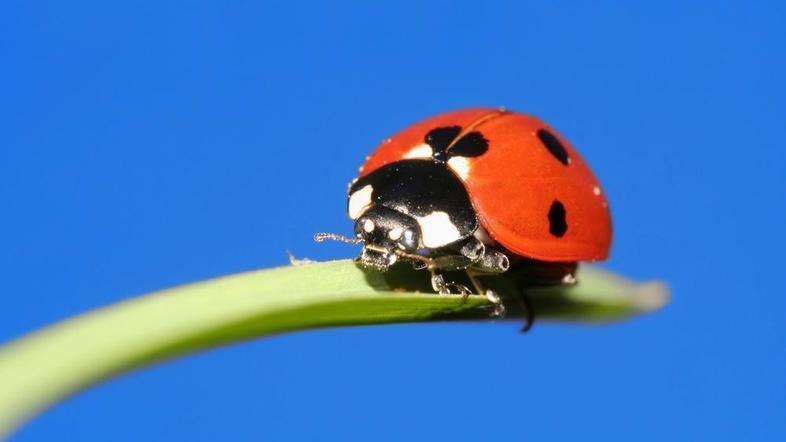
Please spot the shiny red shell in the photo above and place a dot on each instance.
(515, 183)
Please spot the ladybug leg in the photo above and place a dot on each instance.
(484, 259)
(529, 311)
(472, 253)
(473, 257)
(443, 287)
(492, 261)
(498, 310)
(451, 263)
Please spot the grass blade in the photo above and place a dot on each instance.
(51, 364)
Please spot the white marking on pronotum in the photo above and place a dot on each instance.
(596, 190)
(359, 201)
(395, 233)
(368, 226)
(437, 230)
(460, 165)
(420, 151)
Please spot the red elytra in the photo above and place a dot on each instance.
(514, 184)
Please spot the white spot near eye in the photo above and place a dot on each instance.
(437, 230)
(360, 201)
(368, 226)
(596, 190)
(395, 233)
(420, 151)
(460, 165)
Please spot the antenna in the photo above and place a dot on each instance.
(320, 237)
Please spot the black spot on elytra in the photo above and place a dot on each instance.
(472, 144)
(554, 146)
(557, 224)
(439, 139)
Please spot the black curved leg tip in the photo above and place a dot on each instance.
(529, 313)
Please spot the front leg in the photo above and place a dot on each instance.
(473, 257)
(443, 287)
(472, 254)
(493, 261)
(459, 257)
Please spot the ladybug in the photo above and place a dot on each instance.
(480, 190)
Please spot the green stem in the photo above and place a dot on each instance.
(51, 364)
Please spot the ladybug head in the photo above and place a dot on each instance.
(387, 235)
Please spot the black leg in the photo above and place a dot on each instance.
(528, 310)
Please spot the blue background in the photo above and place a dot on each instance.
(147, 144)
